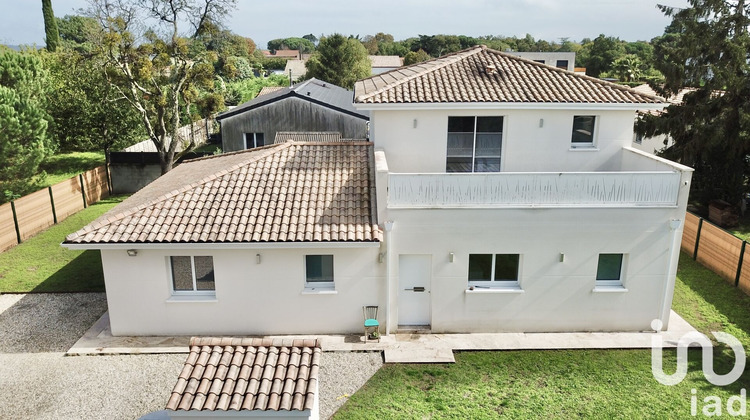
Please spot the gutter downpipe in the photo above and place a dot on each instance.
(388, 228)
(674, 226)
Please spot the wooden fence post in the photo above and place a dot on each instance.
(83, 192)
(15, 221)
(52, 201)
(739, 265)
(697, 238)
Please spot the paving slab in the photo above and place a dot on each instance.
(420, 355)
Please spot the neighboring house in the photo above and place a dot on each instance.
(657, 143)
(312, 105)
(561, 60)
(286, 54)
(295, 69)
(383, 63)
(497, 195)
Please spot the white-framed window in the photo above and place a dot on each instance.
(192, 275)
(474, 144)
(584, 130)
(253, 140)
(494, 270)
(609, 270)
(319, 272)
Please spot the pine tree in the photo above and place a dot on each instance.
(706, 48)
(339, 60)
(50, 26)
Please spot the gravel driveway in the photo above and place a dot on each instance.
(38, 381)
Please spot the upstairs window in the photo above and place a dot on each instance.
(493, 270)
(253, 140)
(583, 131)
(192, 274)
(562, 64)
(474, 144)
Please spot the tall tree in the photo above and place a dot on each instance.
(89, 114)
(50, 26)
(707, 48)
(600, 54)
(413, 57)
(159, 70)
(339, 60)
(24, 142)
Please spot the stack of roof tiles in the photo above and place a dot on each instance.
(480, 74)
(248, 374)
(290, 192)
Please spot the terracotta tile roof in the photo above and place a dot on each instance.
(269, 89)
(675, 99)
(480, 74)
(290, 192)
(222, 374)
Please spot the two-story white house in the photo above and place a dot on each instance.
(498, 194)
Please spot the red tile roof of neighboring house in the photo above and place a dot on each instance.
(223, 374)
(269, 89)
(290, 192)
(480, 74)
(286, 54)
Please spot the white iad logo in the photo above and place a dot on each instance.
(707, 348)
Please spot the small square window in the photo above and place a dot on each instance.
(609, 270)
(494, 270)
(562, 64)
(192, 274)
(319, 271)
(583, 131)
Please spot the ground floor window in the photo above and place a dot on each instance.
(494, 270)
(319, 271)
(192, 274)
(609, 270)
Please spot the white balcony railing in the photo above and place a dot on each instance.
(513, 189)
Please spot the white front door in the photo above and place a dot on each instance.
(415, 275)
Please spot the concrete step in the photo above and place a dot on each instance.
(414, 329)
(419, 355)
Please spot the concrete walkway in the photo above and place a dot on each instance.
(401, 348)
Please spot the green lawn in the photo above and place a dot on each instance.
(66, 165)
(40, 264)
(566, 383)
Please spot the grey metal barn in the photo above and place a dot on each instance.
(310, 106)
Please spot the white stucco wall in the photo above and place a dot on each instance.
(527, 147)
(557, 296)
(265, 298)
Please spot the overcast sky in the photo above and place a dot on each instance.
(21, 21)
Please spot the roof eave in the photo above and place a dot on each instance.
(510, 105)
(221, 245)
